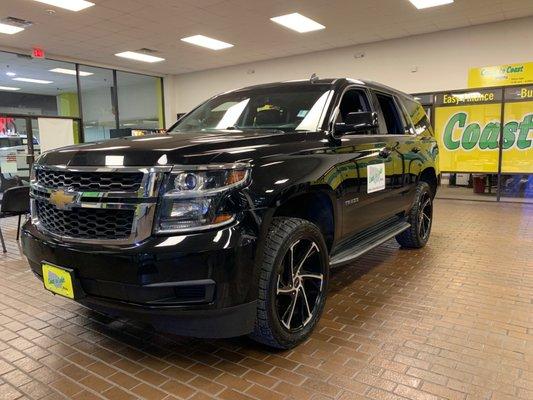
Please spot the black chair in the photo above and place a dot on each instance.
(7, 181)
(15, 202)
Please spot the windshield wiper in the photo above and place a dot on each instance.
(259, 128)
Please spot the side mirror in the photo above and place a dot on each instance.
(358, 122)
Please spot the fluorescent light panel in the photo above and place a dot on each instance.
(421, 4)
(31, 80)
(204, 41)
(70, 71)
(9, 88)
(11, 74)
(132, 55)
(10, 29)
(72, 5)
(298, 22)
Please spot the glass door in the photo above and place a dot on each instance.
(14, 151)
(517, 155)
(21, 140)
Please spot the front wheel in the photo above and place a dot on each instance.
(421, 219)
(293, 283)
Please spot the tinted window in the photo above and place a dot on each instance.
(418, 116)
(393, 120)
(353, 101)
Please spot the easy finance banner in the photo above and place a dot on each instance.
(467, 126)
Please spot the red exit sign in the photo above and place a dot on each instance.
(37, 52)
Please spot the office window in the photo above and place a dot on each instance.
(37, 87)
(97, 97)
(140, 101)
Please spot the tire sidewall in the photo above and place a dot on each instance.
(304, 231)
(423, 188)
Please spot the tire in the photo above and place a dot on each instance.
(420, 217)
(303, 290)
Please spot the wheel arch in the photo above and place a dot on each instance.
(314, 203)
(429, 175)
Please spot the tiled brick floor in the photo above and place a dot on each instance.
(454, 320)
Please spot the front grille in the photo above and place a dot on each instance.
(90, 181)
(85, 223)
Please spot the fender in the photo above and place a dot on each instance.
(278, 182)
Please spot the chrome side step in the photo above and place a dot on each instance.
(363, 243)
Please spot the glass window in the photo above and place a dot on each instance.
(14, 169)
(467, 129)
(97, 94)
(289, 108)
(37, 87)
(517, 157)
(353, 101)
(418, 116)
(393, 120)
(140, 101)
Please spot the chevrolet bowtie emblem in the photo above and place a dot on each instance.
(62, 200)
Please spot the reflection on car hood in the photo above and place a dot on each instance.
(178, 148)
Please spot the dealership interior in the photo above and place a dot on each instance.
(128, 213)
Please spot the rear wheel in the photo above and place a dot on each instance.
(420, 217)
(293, 283)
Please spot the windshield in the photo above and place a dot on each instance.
(284, 108)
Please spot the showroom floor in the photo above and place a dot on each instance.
(454, 320)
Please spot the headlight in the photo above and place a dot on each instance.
(193, 198)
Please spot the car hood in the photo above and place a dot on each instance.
(191, 148)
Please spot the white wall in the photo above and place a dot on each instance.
(442, 59)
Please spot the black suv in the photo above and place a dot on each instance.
(229, 224)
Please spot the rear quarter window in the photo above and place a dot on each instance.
(418, 116)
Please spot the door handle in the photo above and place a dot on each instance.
(385, 152)
(416, 149)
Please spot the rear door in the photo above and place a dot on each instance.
(415, 141)
(394, 131)
(365, 167)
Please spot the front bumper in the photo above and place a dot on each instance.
(201, 285)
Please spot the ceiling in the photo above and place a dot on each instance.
(97, 33)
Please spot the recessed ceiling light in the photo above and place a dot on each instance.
(132, 55)
(72, 5)
(31, 80)
(10, 29)
(11, 89)
(420, 4)
(11, 74)
(298, 22)
(70, 71)
(204, 41)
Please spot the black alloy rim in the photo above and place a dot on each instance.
(424, 219)
(300, 285)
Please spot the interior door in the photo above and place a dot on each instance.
(366, 168)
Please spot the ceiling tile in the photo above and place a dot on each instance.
(98, 32)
